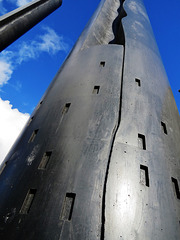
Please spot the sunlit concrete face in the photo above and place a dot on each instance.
(142, 199)
(99, 158)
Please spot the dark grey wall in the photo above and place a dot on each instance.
(99, 158)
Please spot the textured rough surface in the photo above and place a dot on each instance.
(99, 158)
(134, 210)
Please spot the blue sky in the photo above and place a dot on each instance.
(165, 20)
(28, 66)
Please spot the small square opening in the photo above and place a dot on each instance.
(3, 167)
(39, 105)
(30, 120)
(28, 201)
(141, 141)
(68, 206)
(96, 89)
(144, 175)
(33, 135)
(45, 159)
(66, 108)
(138, 81)
(176, 187)
(163, 125)
(102, 63)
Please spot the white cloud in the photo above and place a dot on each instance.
(11, 123)
(5, 72)
(6, 66)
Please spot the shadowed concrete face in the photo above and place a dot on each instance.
(99, 158)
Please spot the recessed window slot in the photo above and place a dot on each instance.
(163, 125)
(28, 201)
(96, 89)
(38, 106)
(144, 175)
(33, 135)
(176, 187)
(3, 167)
(138, 81)
(141, 141)
(45, 160)
(68, 206)
(30, 120)
(66, 108)
(102, 64)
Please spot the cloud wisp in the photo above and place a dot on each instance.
(49, 42)
(5, 72)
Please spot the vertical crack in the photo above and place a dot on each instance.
(119, 38)
(117, 26)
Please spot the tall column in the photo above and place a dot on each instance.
(99, 158)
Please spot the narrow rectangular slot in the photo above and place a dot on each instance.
(96, 89)
(163, 125)
(141, 141)
(28, 201)
(176, 187)
(102, 63)
(30, 120)
(3, 167)
(45, 160)
(66, 108)
(144, 175)
(33, 135)
(38, 106)
(138, 81)
(68, 206)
